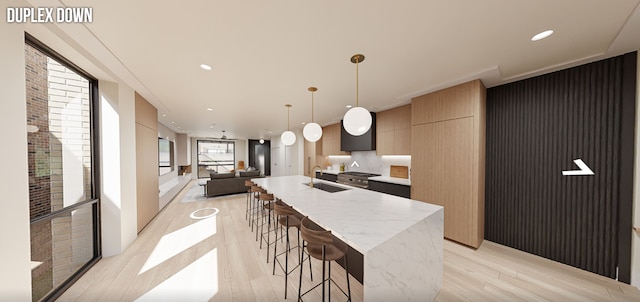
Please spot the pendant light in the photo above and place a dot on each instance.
(288, 137)
(357, 121)
(312, 131)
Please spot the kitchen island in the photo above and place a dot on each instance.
(401, 240)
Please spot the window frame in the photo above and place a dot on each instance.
(94, 199)
(213, 141)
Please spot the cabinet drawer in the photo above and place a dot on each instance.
(327, 177)
(389, 188)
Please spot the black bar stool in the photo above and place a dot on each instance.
(322, 245)
(287, 217)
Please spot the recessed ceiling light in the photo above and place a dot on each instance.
(205, 67)
(164, 115)
(349, 106)
(303, 123)
(173, 122)
(209, 109)
(542, 35)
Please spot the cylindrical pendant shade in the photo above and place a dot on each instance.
(312, 132)
(288, 138)
(357, 121)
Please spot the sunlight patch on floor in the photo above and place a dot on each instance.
(196, 282)
(178, 241)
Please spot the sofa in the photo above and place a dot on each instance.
(229, 183)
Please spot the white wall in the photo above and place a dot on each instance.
(15, 279)
(287, 160)
(635, 252)
(118, 155)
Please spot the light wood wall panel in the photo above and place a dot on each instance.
(393, 136)
(451, 103)
(146, 161)
(385, 120)
(454, 180)
(402, 133)
(146, 114)
(448, 142)
(331, 140)
(423, 159)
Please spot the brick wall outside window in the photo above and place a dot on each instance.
(38, 159)
(59, 160)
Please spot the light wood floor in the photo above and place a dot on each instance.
(228, 265)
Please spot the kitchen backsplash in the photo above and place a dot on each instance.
(369, 161)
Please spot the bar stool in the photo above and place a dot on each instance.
(255, 202)
(248, 184)
(322, 245)
(287, 217)
(267, 205)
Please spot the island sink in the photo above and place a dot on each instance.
(326, 187)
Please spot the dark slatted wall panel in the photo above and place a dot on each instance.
(535, 129)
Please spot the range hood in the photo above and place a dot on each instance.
(365, 142)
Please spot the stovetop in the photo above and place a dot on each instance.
(360, 174)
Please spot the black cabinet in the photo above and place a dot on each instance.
(390, 188)
(327, 176)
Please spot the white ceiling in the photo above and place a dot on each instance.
(265, 54)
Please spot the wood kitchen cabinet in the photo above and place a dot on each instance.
(331, 140)
(394, 131)
(447, 157)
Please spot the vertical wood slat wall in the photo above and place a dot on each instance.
(535, 129)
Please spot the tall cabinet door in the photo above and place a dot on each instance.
(455, 151)
(425, 145)
(447, 157)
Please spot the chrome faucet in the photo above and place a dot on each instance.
(313, 173)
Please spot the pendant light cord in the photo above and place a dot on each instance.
(312, 106)
(357, 81)
(288, 122)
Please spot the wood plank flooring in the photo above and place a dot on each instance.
(228, 265)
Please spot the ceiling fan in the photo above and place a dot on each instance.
(224, 136)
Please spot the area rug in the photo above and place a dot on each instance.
(195, 193)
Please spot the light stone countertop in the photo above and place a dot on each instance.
(393, 180)
(362, 218)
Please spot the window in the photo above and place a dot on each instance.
(165, 156)
(63, 200)
(215, 156)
